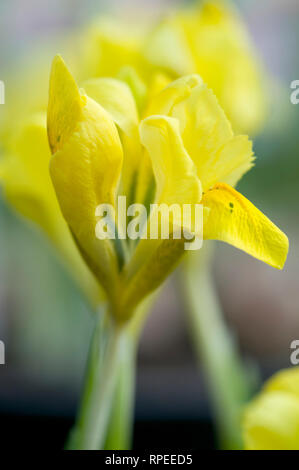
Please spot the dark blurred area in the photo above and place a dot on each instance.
(45, 323)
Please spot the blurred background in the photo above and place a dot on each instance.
(45, 323)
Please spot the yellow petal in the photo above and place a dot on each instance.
(176, 183)
(285, 381)
(159, 81)
(172, 94)
(86, 167)
(28, 188)
(209, 139)
(166, 48)
(108, 45)
(115, 96)
(65, 105)
(148, 269)
(206, 132)
(174, 171)
(161, 103)
(271, 422)
(235, 220)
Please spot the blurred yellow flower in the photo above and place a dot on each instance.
(183, 151)
(107, 46)
(210, 39)
(271, 421)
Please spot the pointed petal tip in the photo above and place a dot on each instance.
(235, 220)
(59, 70)
(284, 256)
(65, 104)
(57, 60)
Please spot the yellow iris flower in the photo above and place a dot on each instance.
(183, 151)
(271, 421)
(135, 56)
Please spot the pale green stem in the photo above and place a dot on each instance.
(217, 353)
(105, 418)
(120, 430)
(93, 418)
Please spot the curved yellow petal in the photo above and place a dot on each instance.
(28, 188)
(271, 422)
(85, 168)
(65, 107)
(176, 183)
(175, 173)
(284, 381)
(235, 220)
(148, 269)
(209, 139)
(206, 132)
(107, 45)
(172, 94)
(161, 103)
(166, 48)
(159, 81)
(116, 98)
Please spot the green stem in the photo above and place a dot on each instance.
(120, 431)
(93, 418)
(105, 418)
(216, 351)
